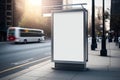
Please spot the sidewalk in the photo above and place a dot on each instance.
(100, 68)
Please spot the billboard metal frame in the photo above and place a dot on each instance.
(85, 35)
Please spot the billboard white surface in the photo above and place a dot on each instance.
(68, 36)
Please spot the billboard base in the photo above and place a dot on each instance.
(70, 66)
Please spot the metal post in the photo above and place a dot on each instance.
(103, 51)
(94, 44)
(110, 36)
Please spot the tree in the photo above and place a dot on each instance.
(98, 22)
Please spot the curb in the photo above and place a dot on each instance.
(43, 62)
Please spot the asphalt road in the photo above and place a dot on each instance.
(12, 55)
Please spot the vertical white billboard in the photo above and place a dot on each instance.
(68, 44)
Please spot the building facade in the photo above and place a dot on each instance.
(6, 17)
(2, 20)
(48, 5)
(115, 15)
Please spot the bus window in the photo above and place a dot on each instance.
(30, 33)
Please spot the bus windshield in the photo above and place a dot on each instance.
(11, 32)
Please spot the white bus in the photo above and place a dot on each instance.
(18, 35)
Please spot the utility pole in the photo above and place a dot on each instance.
(103, 51)
(94, 44)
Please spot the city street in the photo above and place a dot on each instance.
(98, 68)
(12, 55)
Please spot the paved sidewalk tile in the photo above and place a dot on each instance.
(65, 75)
(25, 78)
(94, 75)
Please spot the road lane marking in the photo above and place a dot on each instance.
(22, 62)
(9, 69)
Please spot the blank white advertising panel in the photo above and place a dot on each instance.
(68, 36)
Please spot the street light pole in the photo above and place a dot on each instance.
(103, 51)
(94, 44)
